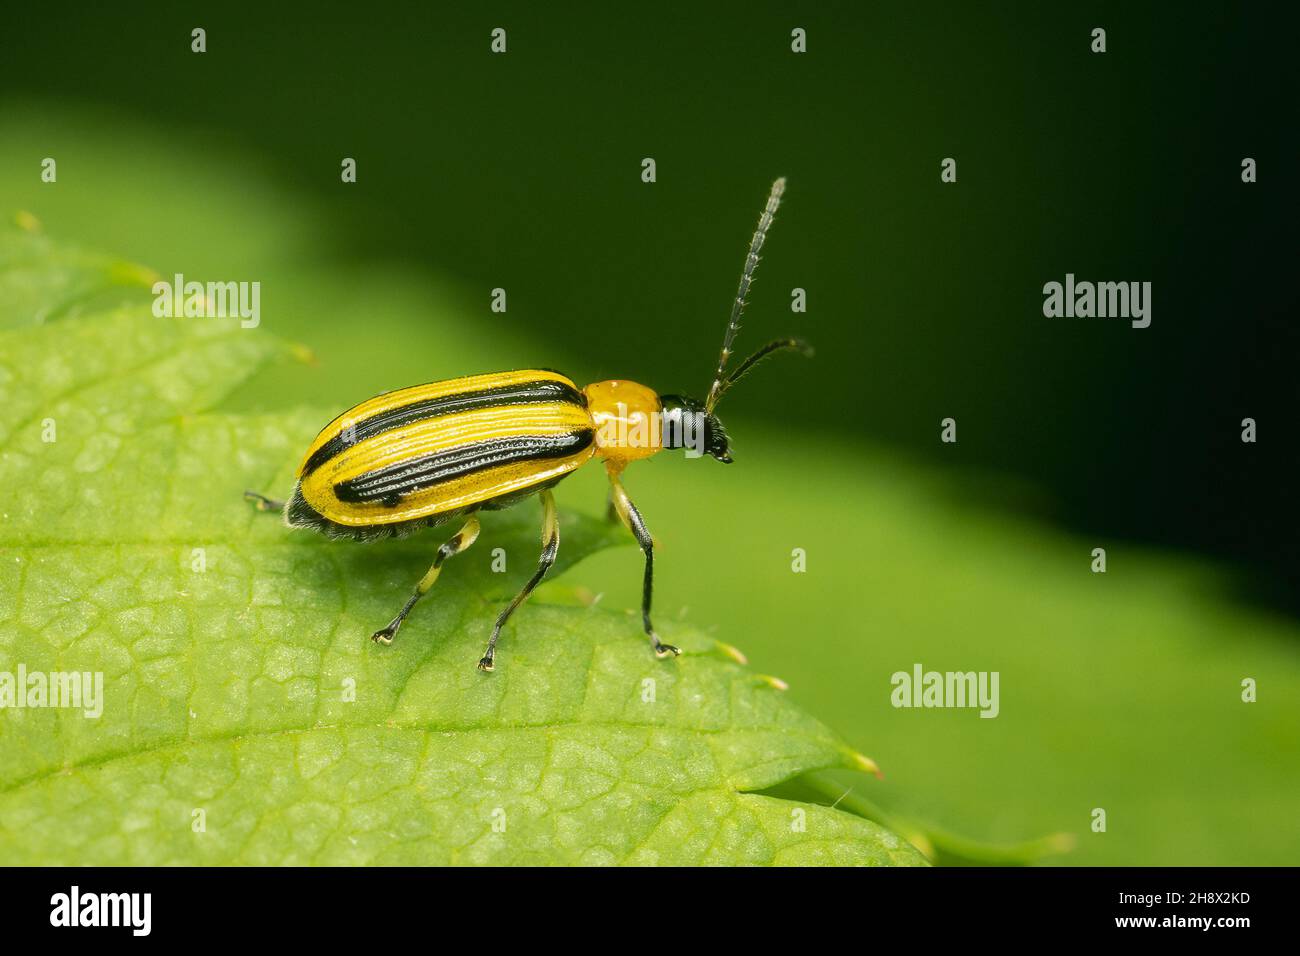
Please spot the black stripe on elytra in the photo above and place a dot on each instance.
(522, 393)
(391, 483)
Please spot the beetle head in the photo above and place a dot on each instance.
(686, 424)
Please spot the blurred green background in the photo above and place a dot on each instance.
(522, 171)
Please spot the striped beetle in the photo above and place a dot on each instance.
(422, 456)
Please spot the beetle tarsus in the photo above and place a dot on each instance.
(384, 635)
(486, 665)
(663, 650)
(263, 503)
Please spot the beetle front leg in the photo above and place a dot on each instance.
(636, 524)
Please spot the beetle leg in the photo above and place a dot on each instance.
(453, 546)
(550, 547)
(632, 518)
(262, 502)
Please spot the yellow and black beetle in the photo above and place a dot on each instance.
(419, 457)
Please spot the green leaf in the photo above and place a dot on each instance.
(41, 280)
(240, 691)
(939, 845)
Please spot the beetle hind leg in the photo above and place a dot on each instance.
(263, 503)
(453, 546)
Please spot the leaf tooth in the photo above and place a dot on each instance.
(1059, 843)
(132, 273)
(863, 762)
(303, 353)
(732, 651)
(25, 221)
(920, 841)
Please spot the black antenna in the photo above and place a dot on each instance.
(776, 345)
(738, 307)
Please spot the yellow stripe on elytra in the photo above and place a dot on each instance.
(440, 434)
(445, 433)
(449, 495)
(419, 393)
